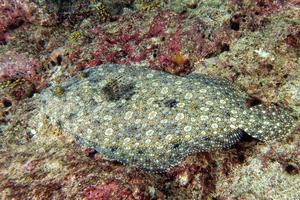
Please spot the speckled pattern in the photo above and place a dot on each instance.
(152, 119)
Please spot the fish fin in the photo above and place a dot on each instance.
(230, 139)
(268, 122)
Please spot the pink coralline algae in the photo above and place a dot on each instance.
(14, 13)
(168, 35)
(105, 192)
(19, 66)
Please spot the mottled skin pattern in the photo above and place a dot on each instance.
(152, 119)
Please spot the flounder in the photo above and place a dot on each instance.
(152, 119)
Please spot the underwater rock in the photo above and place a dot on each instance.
(152, 119)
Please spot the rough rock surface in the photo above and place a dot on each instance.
(254, 44)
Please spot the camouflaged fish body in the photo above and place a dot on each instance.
(152, 119)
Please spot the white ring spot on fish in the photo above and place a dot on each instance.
(152, 115)
(188, 95)
(164, 90)
(187, 128)
(128, 115)
(179, 116)
(214, 126)
(149, 75)
(109, 131)
(149, 132)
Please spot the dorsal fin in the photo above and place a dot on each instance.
(268, 122)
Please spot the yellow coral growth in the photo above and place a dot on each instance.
(147, 5)
(75, 36)
(101, 10)
(50, 130)
(10, 84)
(179, 58)
(58, 91)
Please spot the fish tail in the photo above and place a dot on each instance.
(269, 122)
